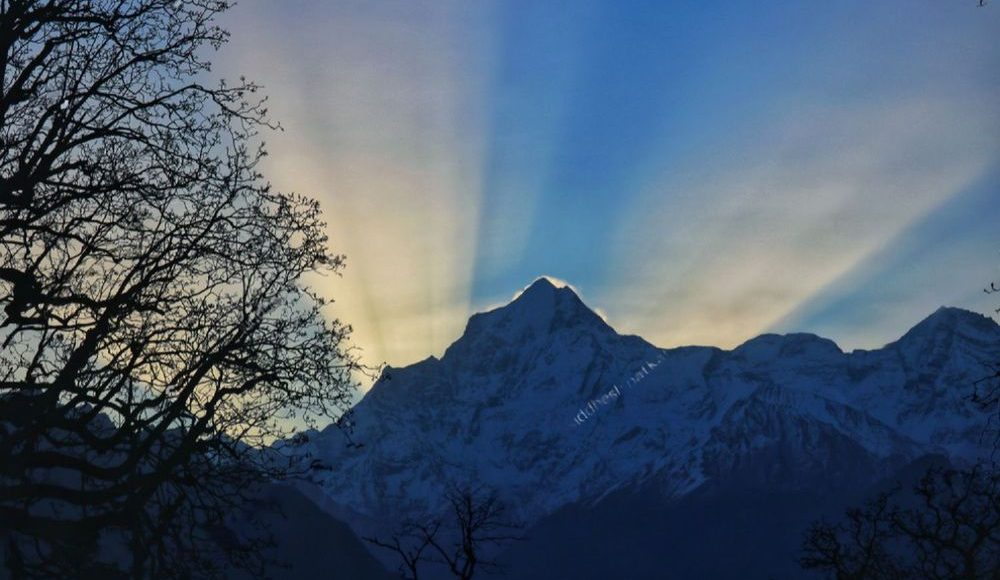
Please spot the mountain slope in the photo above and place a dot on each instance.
(543, 401)
(307, 542)
(710, 534)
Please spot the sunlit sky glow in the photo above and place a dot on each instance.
(701, 172)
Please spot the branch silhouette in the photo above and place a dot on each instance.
(464, 541)
(155, 329)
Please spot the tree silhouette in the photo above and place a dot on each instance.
(463, 542)
(986, 394)
(155, 331)
(949, 529)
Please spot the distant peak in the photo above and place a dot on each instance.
(543, 285)
(772, 346)
(951, 316)
(948, 321)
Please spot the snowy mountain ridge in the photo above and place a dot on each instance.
(500, 408)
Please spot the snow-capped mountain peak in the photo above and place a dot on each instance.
(946, 323)
(538, 311)
(543, 401)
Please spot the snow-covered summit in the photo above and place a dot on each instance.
(522, 403)
(539, 311)
(934, 338)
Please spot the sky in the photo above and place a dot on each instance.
(700, 172)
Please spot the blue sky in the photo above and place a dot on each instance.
(700, 172)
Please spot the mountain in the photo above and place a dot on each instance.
(544, 402)
(307, 542)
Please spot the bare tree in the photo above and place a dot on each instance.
(155, 330)
(986, 392)
(949, 529)
(411, 544)
(465, 544)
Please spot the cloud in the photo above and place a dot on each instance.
(717, 253)
(443, 140)
(385, 125)
(946, 259)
